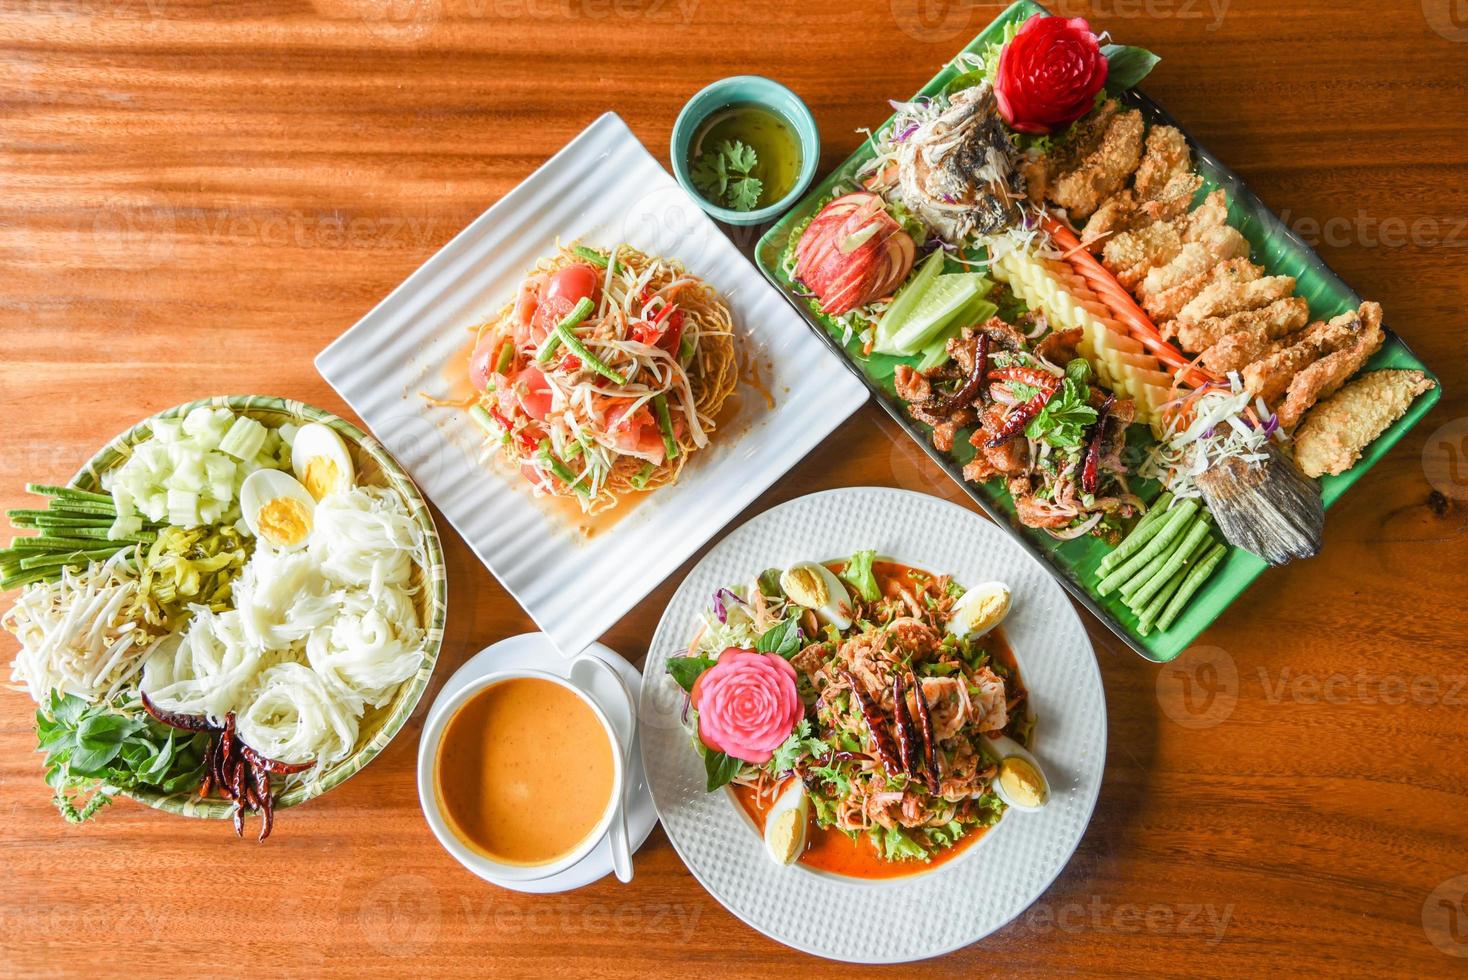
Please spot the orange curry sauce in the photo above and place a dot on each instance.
(831, 850)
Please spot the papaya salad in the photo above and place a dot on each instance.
(604, 375)
(867, 715)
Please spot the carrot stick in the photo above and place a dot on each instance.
(1120, 302)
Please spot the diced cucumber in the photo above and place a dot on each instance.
(183, 508)
(245, 438)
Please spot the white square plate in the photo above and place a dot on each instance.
(604, 188)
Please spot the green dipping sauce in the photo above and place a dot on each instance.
(765, 131)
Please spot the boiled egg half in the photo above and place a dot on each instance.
(816, 587)
(979, 610)
(1020, 782)
(277, 509)
(321, 461)
(785, 824)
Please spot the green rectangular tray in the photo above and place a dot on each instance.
(1275, 247)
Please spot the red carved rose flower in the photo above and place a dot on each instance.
(1049, 74)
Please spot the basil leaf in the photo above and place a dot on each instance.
(782, 638)
(720, 768)
(686, 670)
(1127, 65)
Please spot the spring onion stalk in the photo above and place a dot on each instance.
(1140, 535)
(665, 422)
(553, 339)
(1161, 541)
(1196, 576)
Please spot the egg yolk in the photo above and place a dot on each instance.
(1022, 782)
(320, 476)
(283, 521)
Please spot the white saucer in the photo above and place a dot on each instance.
(535, 650)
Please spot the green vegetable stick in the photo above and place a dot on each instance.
(46, 490)
(1197, 575)
(591, 360)
(47, 543)
(1190, 542)
(1161, 541)
(593, 256)
(1147, 615)
(665, 422)
(1188, 555)
(579, 312)
(1140, 535)
(487, 423)
(46, 560)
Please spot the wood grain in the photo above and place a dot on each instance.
(199, 196)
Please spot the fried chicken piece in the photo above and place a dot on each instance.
(1040, 173)
(1235, 352)
(1158, 289)
(1010, 459)
(1167, 157)
(911, 386)
(1271, 376)
(1222, 298)
(1104, 170)
(1337, 429)
(1165, 185)
(1323, 378)
(1283, 316)
(1131, 255)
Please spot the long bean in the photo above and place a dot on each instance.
(1160, 542)
(75, 493)
(1141, 534)
(1197, 575)
(47, 560)
(1190, 543)
(665, 422)
(579, 312)
(1147, 615)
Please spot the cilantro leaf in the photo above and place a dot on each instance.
(799, 745)
(726, 176)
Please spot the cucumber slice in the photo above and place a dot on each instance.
(907, 297)
(944, 301)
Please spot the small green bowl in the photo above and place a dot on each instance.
(736, 90)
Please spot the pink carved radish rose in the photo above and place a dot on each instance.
(747, 704)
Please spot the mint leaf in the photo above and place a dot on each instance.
(1062, 422)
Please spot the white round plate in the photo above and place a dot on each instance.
(962, 900)
(536, 650)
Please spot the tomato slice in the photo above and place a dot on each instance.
(552, 310)
(534, 392)
(482, 361)
(573, 283)
(636, 433)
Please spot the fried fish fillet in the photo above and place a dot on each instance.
(1282, 316)
(1222, 298)
(1104, 170)
(1235, 352)
(1324, 377)
(1167, 158)
(1333, 433)
(1165, 305)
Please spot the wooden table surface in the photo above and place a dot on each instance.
(199, 196)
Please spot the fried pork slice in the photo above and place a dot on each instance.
(1222, 298)
(1040, 173)
(1271, 375)
(1104, 170)
(1333, 433)
(1325, 377)
(1283, 316)
(1192, 265)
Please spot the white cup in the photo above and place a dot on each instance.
(428, 746)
